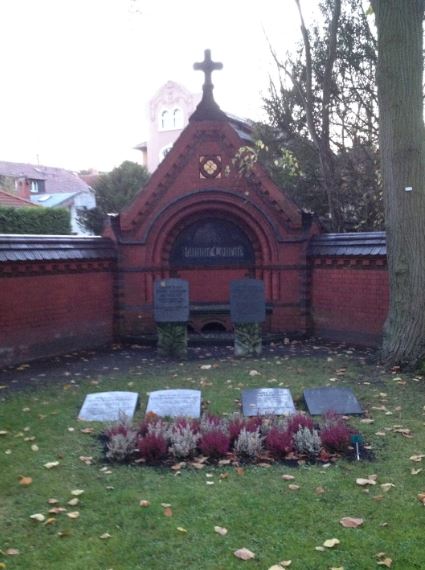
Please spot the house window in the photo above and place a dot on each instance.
(164, 151)
(171, 119)
(37, 186)
(165, 120)
(177, 118)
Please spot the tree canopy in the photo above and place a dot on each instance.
(113, 191)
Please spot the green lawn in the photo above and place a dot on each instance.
(256, 506)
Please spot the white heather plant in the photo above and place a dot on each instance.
(210, 424)
(249, 443)
(120, 447)
(160, 428)
(307, 441)
(183, 442)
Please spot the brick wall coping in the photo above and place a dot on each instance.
(15, 247)
(348, 244)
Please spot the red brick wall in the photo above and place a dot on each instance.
(46, 310)
(349, 299)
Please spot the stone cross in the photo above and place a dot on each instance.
(208, 66)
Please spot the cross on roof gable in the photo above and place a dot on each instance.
(208, 110)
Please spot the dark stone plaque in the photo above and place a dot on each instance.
(108, 406)
(212, 242)
(171, 301)
(247, 301)
(175, 403)
(330, 399)
(267, 401)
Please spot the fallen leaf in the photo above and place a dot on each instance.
(73, 502)
(320, 548)
(144, 503)
(77, 492)
(293, 487)
(384, 560)
(86, 459)
(3, 432)
(34, 447)
(367, 421)
(181, 529)
(351, 522)
(254, 373)
(51, 464)
(244, 554)
(364, 482)
(220, 530)
(38, 517)
(417, 457)
(73, 515)
(206, 366)
(105, 536)
(52, 501)
(12, 552)
(415, 471)
(387, 486)
(168, 512)
(25, 481)
(288, 477)
(57, 510)
(421, 498)
(49, 521)
(87, 430)
(320, 490)
(331, 543)
(240, 470)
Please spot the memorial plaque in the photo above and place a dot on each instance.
(267, 401)
(247, 301)
(329, 399)
(108, 406)
(171, 301)
(175, 403)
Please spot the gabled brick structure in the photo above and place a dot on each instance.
(198, 222)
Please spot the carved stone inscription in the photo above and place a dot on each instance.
(175, 403)
(267, 401)
(247, 301)
(171, 301)
(108, 406)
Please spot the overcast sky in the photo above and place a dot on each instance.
(77, 74)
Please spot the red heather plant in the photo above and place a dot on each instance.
(298, 421)
(253, 423)
(150, 418)
(214, 443)
(152, 447)
(279, 442)
(234, 428)
(336, 436)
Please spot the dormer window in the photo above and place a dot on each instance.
(177, 118)
(37, 186)
(165, 120)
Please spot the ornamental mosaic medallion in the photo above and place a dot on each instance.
(210, 166)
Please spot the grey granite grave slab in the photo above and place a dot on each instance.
(108, 406)
(175, 403)
(330, 399)
(267, 401)
(247, 301)
(171, 301)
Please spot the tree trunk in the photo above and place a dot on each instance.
(400, 69)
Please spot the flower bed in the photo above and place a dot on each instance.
(233, 440)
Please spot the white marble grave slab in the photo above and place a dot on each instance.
(108, 406)
(267, 401)
(175, 403)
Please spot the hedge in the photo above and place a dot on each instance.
(54, 221)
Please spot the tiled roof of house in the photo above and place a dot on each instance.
(56, 179)
(11, 201)
(349, 244)
(48, 248)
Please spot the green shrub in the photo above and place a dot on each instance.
(29, 220)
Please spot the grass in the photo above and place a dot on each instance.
(257, 507)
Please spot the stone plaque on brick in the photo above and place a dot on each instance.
(330, 399)
(267, 401)
(108, 406)
(171, 301)
(175, 403)
(247, 301)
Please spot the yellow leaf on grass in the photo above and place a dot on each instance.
(421, 498)
(105, 536)
(293, 487)
(417, 457)
(51, 464)
(319, 490)
(288, 477)
(220, 530)
(38, 517)
(181, 529)
(73, 515)
(244, 554)
(12, 552)
(385, 562)
(73, 502)
(414, 471)
(363, 482)
(387, 486)
(144, 503)
(351, 522)
(77, 492)
(331, 543)
(25, 481)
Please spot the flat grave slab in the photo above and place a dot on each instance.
(247, 301)
(175, 403)
(330, 399)
(171, 301)
(108, 406)
(267, 401)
